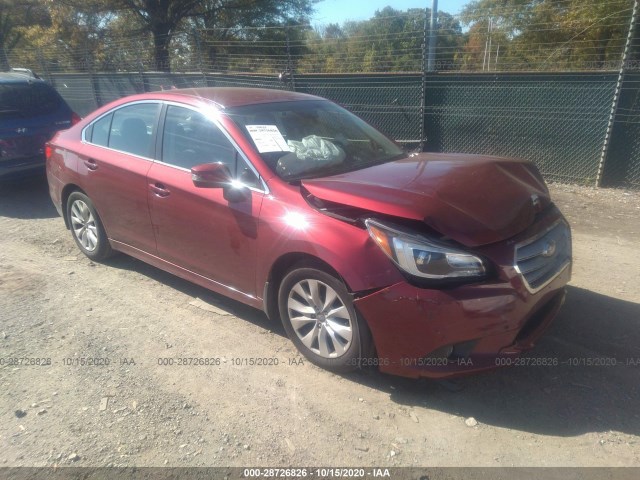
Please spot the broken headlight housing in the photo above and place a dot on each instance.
(423, 257)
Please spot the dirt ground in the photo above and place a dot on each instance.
(56, 304)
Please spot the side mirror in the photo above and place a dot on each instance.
(211, 175)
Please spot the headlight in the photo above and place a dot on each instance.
(422, 257)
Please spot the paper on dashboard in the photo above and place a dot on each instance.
(267, 138)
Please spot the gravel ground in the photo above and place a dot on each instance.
(56, 304)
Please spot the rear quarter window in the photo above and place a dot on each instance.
(98, 132)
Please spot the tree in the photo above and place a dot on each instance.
(161, 18)
(14, 16)
(71, 39)
(231, 30)
(545, 34)
(9, 37)
(391, 41)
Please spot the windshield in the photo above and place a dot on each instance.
(309, 139)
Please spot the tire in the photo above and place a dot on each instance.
(318, 314)
(86, 227)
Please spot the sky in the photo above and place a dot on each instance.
(339, 11)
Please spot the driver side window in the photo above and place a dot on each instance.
(192, 139)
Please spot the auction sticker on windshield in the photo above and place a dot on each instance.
(267, 138)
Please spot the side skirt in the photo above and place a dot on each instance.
(188, 275)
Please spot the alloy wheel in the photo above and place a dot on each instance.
(319, 318)
(84, 225)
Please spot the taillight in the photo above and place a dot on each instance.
(48, 151)
(75, 118)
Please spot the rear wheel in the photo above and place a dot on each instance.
(86, 227)
(320, 319)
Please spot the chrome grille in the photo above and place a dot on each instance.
(542, 258)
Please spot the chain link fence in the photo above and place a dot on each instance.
(622, 164)
(556, 120)
(489, 95)
(389, 102)
(580, 126)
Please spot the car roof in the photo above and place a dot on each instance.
(227, 97)
(16, 77)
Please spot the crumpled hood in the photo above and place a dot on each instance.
(475, 200)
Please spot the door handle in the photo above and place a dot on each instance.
(91, 164)
(159, 189)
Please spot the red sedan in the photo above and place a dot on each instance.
(420, 264)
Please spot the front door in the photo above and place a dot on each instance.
(198, 228)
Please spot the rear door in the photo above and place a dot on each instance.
(198, 228)
(117, 155)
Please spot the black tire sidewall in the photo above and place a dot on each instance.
(103, 249)
(360, 339)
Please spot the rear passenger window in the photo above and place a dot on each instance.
(132, 129)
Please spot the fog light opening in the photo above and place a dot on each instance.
(462, 350)
(441, 353)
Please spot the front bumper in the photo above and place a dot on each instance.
(467, 329)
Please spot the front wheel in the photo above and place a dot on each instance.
(319, 317)
(86, 227)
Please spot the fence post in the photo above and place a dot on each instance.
(433, 35)
(143, 78)
(423, 86)
(95, 88)
(616, 95)
(196, 36)
(292, 81)
(43, 65)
